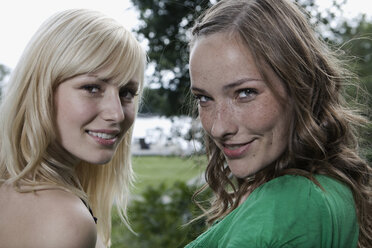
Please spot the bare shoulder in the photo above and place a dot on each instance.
(69, 223)
(46, 218)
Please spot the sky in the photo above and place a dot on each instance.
(19, 19)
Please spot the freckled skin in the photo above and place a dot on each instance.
(216, 62)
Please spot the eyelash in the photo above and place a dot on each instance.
(133, 93)
(249, 92)
(90, 88)
(198, 98)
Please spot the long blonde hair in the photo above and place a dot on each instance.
(68, 44)
(323, 137)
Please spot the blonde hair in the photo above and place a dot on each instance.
(323, 137)
(70, 43)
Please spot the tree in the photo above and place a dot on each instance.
(165, 24)
(159, 218)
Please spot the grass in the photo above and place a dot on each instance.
(154, 170)
(151, 171)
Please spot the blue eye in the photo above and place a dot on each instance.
(92, 88)
(203, 99)
(247, 93)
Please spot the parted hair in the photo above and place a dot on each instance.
(323, 135)
(69, 43)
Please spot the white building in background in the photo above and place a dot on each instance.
(154, 135)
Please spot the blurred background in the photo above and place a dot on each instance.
(167, 144)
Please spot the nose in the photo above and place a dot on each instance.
(112, 108)
(223, 122)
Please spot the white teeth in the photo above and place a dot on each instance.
(102, 135)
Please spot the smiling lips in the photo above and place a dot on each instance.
(104, 137)
(235, 151)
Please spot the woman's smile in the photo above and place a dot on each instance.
(235, 151)
(237, 108)
(104, 137)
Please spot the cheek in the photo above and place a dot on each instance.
(264, 116)
(274, 124)
(72, 111)
(206, 119)
(66, 102)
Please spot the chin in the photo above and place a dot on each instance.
(98, 161)
(242, 175)
(243, 171)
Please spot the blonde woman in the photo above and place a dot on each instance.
(65, 132)
(282, 146)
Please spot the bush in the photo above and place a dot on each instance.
(160, 219)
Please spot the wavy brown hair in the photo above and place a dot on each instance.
(323, 133)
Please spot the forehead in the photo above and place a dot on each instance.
(117, 75)
(221, 57)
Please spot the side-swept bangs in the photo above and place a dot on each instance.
(104, 47)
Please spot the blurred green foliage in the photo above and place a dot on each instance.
(165, 24)
(159, 217)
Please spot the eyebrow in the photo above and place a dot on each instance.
(230, 85)
(97, 78)
(132, 83)
(107, 80)
(239, 82)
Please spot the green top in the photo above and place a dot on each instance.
(288, 211)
